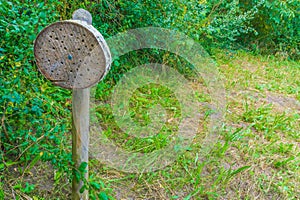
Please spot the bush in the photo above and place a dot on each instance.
(277, 26)
(34, 114)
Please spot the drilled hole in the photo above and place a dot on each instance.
(82, 40)
(71, 34)
(78, 49)
(65, 48)
(62, 41)
(56, 38)
(62, 62)
(88, 69)
(81, 75)
(50, 36)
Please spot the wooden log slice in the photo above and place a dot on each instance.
(72, 54)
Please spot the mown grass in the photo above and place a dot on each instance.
(256, 157)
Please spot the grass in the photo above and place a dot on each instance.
(257, 156)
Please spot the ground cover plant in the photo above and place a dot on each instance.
(255, 45)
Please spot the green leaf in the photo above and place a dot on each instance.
(82, 167)
(239, 170)
(281, 163)
(57, 175)
(18, 186)
(103, 196)
(28, 188)
(187, 197)
(117, 64)
(82, 189)
(33, 162)
(95, 185)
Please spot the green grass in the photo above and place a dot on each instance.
(257, 156)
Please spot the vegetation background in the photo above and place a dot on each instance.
(256, 46)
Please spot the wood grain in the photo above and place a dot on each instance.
(72, 54)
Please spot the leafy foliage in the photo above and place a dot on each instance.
(260, 25)
(276, 25)
(34, 114)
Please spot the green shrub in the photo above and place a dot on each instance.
(34, 114)
(276, 27)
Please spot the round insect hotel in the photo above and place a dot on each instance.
(72, 54)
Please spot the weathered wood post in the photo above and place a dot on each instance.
(80, 123)
(74, 55)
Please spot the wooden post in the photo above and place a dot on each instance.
(80, 124)
(80, 137)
